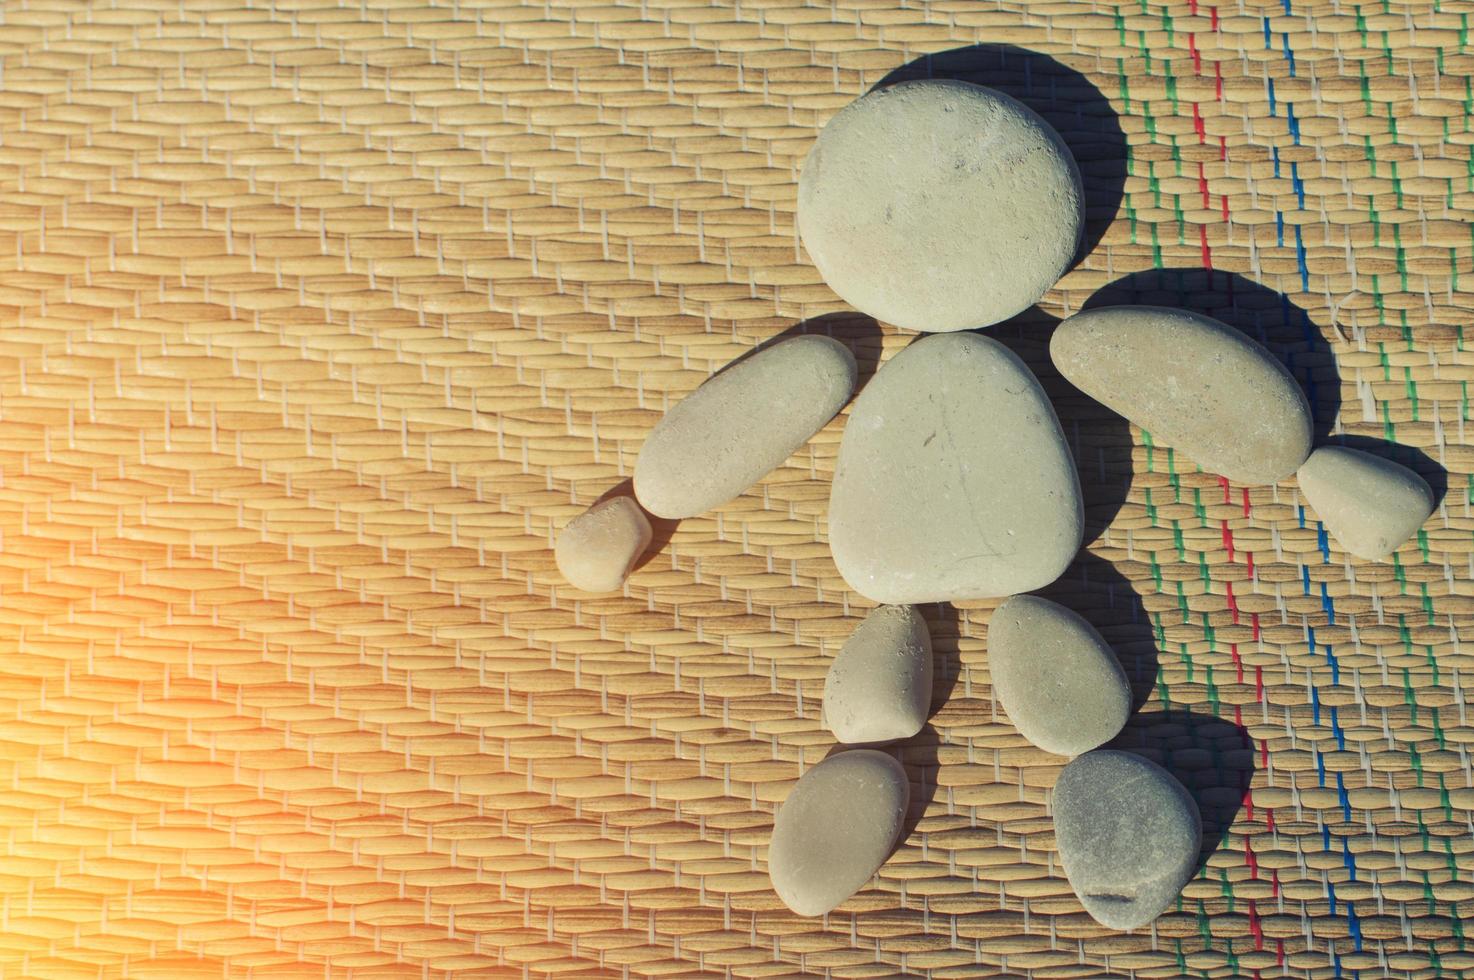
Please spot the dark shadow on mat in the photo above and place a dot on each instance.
(1092, 587)
(1212, 757)
(1414, 459)
(1066, 99)
(918, 754)
(944, 623)
(1256, 311)
(858, 332)
(1099, 438)
(661, 528)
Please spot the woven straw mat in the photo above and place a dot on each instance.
(320, 321)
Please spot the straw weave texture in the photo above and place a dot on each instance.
(317, 321)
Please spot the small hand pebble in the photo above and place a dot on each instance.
(954, 480)
(741, 424)
(1128, 835)
(1369, 504)
(940, 205)
(835, 830)
(597, 549)
(1194, 383)
(879, 686)
(1058, 680)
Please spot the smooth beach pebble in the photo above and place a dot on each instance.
(597, 549)
(835, 830)
(1369, 504)
(940, 205)
(741, 424)
(1058, 680)
(879, 686)
(954, 480)
(1128, 835)
(1195, 384)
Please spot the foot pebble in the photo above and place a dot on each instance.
(835, 830)
(1194, 384)
(1369, 504)
(597, 549)
(954, 480)
(879, 686)
(1058, 680)
(940, 205)
(1128, 835)
(741, 424)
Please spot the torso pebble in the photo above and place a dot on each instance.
(954, 480)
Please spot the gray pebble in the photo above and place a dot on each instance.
(1194, 384)
(1058, 680)
(879, 686)
(1128, 835)
(1369, 504)
(835, 830)
(741, 424)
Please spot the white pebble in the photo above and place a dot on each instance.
(1369, 504)
(597, 549)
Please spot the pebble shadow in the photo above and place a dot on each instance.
(944, 623)
(1066, 99)
(858, 332)
(1256, 311)
(1099, 438)
(1211, 756)
(918, 754)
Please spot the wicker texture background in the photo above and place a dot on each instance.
(316, 322)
